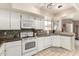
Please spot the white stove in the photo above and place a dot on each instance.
(29, 45)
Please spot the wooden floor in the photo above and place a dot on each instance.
(55, 51)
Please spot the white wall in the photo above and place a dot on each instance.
(59, 28)
(5, 5)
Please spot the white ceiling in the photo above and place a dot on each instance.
(68, 10)
(55, 9)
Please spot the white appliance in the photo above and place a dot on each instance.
(69, 27)
(25, 34)
(29, 45)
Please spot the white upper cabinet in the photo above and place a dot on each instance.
(30, 21)
(42, 24)
(4, 19)
(27, 21)
(9, 20)
(15, 21)
(37, 24)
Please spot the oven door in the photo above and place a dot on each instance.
(29, 45)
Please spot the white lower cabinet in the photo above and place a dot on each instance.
(56, 41)
(63, 41)
(13, 51)
(43, 43)
(2, 53)
(66, 42)
(13, 48)
(40, 43)
(47, 42)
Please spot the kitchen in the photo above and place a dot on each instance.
(30, 29)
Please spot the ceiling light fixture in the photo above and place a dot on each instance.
(59, 6)
(51, 5)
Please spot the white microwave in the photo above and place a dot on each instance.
(25, 34)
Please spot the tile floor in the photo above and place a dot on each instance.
(55, 51)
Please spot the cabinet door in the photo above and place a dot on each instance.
(13, 51)
(66, 42)
(37, 24)
(56, 41)
(42, 24)
(13, 48)
(2, 50)
(2, 54)
(4, 19)
(47, 42)
(62, 41)
(27, 21)
(40, 43)
(15, 20)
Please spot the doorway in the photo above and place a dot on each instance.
(76, 29)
